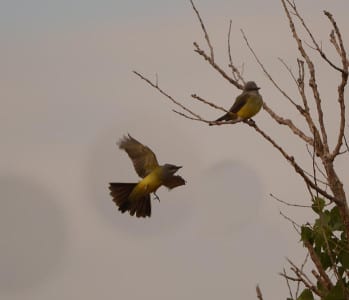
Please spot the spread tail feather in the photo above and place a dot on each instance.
(121, 192)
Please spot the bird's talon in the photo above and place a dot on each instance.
(157, 197)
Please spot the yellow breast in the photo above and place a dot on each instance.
(252, 107)
(147, 185)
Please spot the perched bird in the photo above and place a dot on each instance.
(246, 105)
(135, 197)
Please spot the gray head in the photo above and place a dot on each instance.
(251, 86)
(170, 169)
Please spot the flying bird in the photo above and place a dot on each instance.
(135, 197)
(246, 105)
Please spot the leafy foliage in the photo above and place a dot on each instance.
(328, 240)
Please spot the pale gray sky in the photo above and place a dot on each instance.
(68, 94)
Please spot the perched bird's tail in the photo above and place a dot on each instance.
(226, 117)
(121, 192)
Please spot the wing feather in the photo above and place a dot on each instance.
(239, 103)
(143, 158)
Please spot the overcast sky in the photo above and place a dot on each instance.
(68, 94)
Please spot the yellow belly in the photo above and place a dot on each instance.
(251, 108)
(147, 185)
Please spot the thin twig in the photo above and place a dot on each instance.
(341, 87)
(292, 161)
(315, 164)
(316, 47)
(204, 30)
(288, 70)
(296, 279)
(189, 117)
(216, 67)
(312, 80)
(302, 268)
(304, 278)
(289, 204)
(299, 108)
(314, 257)
(288, 123)
(288, 283)
(166, 95)
(208, 103)
(346, 143)
(294, 224)
(235, 71)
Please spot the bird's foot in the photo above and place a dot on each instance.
(156, 197)
(250, 122)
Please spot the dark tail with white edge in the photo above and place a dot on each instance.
(121, 192)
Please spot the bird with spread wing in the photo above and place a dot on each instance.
(135, 197)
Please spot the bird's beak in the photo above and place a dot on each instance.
(179, 167)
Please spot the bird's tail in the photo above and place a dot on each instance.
(121, 196)
(226, 117)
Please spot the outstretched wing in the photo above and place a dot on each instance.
(174, 181)
(143, 159)
(239, 103)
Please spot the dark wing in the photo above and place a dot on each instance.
(143, 159)
(174, 181)
(239, 103)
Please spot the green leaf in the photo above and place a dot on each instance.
(343, 236)
(335, 219)
(325, 260)
(306, 295)
(307, 234)
(319, 241)
(318, 205)
(336, 293)
(343, 257)
(341, 270)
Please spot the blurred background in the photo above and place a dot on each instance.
(68, 94)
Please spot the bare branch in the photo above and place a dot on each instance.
(288, 203)
(235, 71)
(313, 158)
(342, 85)
(346, 143)
(299, 108)
(287, 282)
(327, 282)
(294, 224)
(334, 42)
(296, 279)
(289, 124)
(166, 95)
(303, 111)
(292, 161)
(312, 80)
(316, 47)
(333, 263)
(302, 268)
(216, 67)
(208, 103)
(288, 70)
(304, 278)
(204, 30)
(312, 155)
(189, 117)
